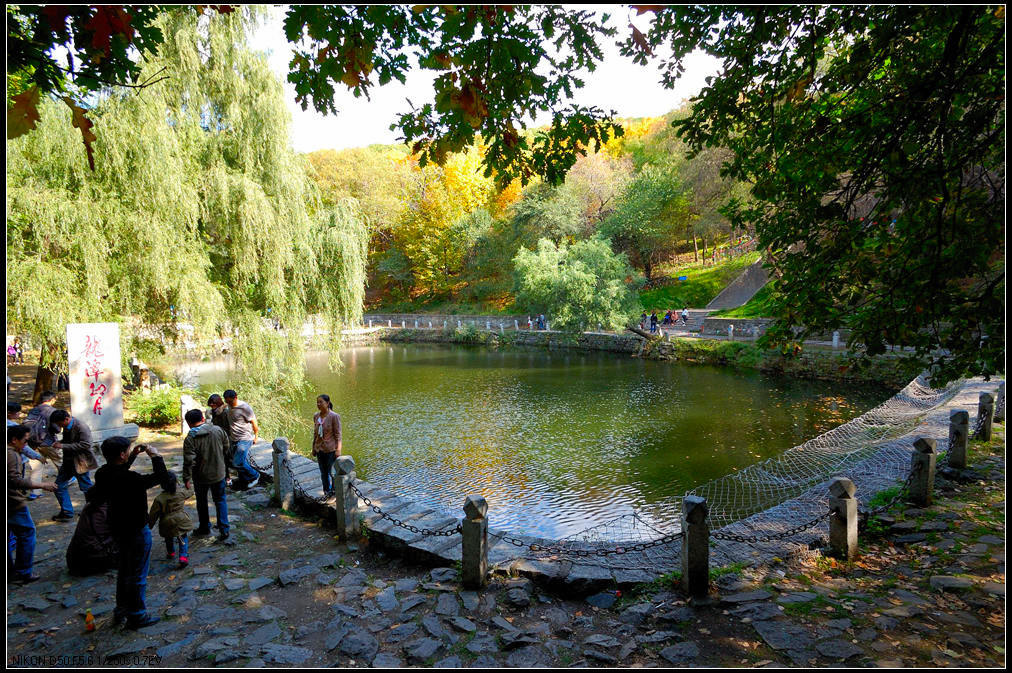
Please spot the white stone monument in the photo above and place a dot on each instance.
(96, 382)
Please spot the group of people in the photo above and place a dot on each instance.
(114, 529)
(16, 353)
(670, 318)
(537, 321)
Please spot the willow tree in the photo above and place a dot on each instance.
(198, 208)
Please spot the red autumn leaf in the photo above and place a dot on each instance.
(24, 113)
(57, 15)
(108, 22)
(640, 40)
(82, 122)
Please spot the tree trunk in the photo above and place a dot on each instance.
(646, 267)
(45, 376)
(695, 248)
(704, 246)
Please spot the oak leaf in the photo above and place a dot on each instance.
(641, 40)
(24, 113)
(109, 21)
(82, 122)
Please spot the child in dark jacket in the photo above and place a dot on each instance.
(174, 524)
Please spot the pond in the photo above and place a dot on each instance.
(557, 442)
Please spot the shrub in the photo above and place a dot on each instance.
(159, 407)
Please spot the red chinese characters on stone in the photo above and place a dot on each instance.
(94, 355)
(98, 393)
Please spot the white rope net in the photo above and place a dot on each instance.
(764, 485)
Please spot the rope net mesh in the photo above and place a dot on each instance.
(764, 485)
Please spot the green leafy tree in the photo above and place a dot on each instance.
(874, 138)
(198, 210)
(547, 212)
(650, 216)
(578, 286)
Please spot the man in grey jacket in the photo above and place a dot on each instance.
(78, 459)
(204, 451)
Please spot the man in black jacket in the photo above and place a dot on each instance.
(126, 492)
(77, 459)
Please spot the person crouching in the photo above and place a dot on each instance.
(126, 493)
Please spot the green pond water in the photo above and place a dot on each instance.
(557, 442)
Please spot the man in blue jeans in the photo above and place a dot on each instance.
(126, 493)
(204, 463)
(77, 459)
(20, 527)
(244, 432)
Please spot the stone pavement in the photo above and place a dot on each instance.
(928, 589)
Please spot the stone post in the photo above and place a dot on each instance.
(347, 500)
(474, 543)
(284, 485)
(516, 325)
(959, 434)
(836, 339)
(186, 403)
(402, 324)
(999, 410)
(985, 410)
(370, 324)
(416, 324)
(843, 524)
(922, 465)
(695, 547)
(390, 323)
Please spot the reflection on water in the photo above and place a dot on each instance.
(557, 442)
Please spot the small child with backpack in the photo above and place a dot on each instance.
(174, 524)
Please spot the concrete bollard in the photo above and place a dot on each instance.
(959, 434)
(402, 324)
(999, 409)
(474, 543)
(347, 500)
(390, 323)
(695, 547)
(843, 524)
(516, 325)
(284, 485)
(370, 324)
(922, 465)
(985, 410)
(186, 403)
(836, 339)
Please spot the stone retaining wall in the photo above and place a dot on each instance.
(380, 319)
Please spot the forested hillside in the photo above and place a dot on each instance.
(447, 238)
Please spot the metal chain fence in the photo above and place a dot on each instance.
(426, 532)
(791, 532)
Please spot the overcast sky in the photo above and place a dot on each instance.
(618, 84)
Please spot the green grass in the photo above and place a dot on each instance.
(759, 306)
(700, 287)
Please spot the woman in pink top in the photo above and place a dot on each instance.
(326, 439)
